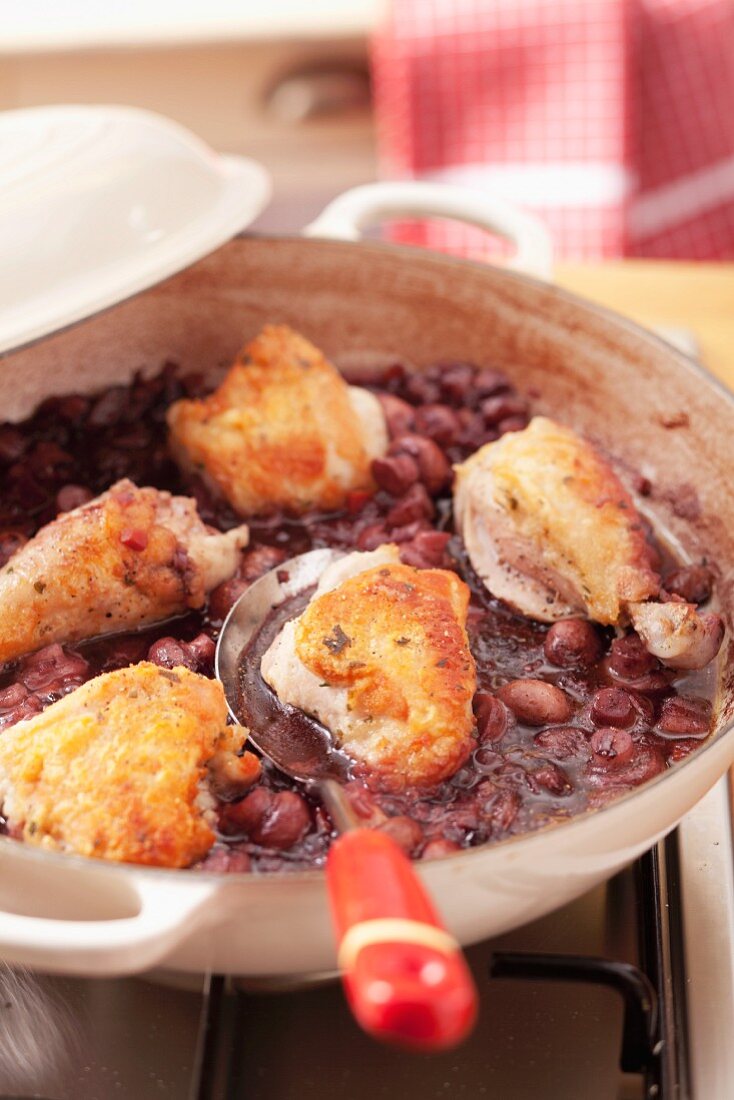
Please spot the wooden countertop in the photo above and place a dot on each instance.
(699, 297)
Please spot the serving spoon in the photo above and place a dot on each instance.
(404, 975)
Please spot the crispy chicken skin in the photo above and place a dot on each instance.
(381, 657)
(551, 530)
(129, 557)
(114, 770)
(282, 431)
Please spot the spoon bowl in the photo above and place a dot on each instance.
(300, 749)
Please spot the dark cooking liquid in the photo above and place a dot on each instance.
(529, 776)
(290, 735)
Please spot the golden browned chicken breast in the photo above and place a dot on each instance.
(283, 431)
(550, 528)
(131, 556)
(552, 531)
(115, 770)
(381, 657)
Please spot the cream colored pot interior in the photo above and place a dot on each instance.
(647, 405)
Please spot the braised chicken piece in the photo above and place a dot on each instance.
(380, 656)
(552, 532)
(116, 769)
(549, 527)
(127, 558)
(677, 633)
(283, 431)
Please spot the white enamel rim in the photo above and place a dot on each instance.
(63, 168)
(172, 904)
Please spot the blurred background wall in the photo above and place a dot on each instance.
(613, 119)
(285, 81)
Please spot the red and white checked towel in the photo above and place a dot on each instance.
(612, 119)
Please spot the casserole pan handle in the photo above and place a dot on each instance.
(347, 215)
(111, 947)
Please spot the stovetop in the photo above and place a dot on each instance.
(626, 993)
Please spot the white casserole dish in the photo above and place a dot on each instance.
(365, 301)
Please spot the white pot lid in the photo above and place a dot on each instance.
(97, 203)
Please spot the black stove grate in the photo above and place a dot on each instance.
(654, 1031)
(640, 1029)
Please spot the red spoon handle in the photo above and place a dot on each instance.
(405, 977)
